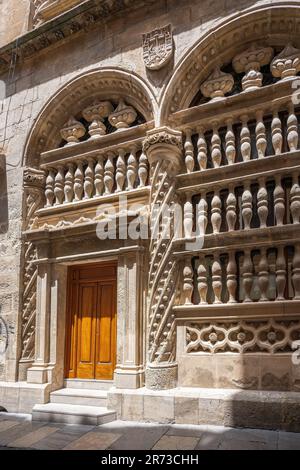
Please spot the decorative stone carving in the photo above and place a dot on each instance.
(123, 116)
(158, 47)
(250, 62)
(164, 151)
(34, 181)
(287, 63)
(217, 85)
(242, 337)
(95, 114)
(47, 9)
(72, 131)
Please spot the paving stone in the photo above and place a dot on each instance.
(63, 437)
(288, 441)
(176, 443)
(4, 425)
(33, 437)
(138, 438)
(185, 430)
(93, 441)
(18, 431)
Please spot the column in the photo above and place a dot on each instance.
(164, 150)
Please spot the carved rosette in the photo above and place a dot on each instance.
(72, 131)
(34, 181)
(123, 116)
(217, 85)
(163, 148)
(95, 114)
(250, 62)
(287, 63)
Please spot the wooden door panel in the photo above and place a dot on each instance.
(105, 342)
(86, 330)
(91, 322)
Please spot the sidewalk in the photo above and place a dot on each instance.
(17, 431)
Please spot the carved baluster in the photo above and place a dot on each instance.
(296, 273)
(292, 129)
(202, 282)
(263, 275)
(99, 176)
(260, 131)
(188, 216)
(202, 149)
(245, 139)
(189, 151)
(276, 133)
(231, 283)
(120, 171)
(59, 186)
(216, 155)
(89, 180)
(202, 215)
(78, 182)
(280, 273)
(247, 275)
(262, 203)
(231, 209)
(188, 285)
(143, 170)
(216, 213)
(295, 199)
(69, 184)
(247, 206)
(109, 173)
(217, 279)
(279, 201)
(131, 169)
(230, 143)
(49, 188)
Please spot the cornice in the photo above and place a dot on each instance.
(55, 31)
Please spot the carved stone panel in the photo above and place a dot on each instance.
(158, 47)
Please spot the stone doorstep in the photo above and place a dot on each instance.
(74, 396)
(88, 384)
(72, 414)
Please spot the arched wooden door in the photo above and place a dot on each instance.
(91, 321)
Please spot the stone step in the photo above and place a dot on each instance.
(76, 396)
(72, 414)
(88, 384)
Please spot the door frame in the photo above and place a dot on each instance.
(69, 304)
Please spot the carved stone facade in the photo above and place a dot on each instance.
(187, 137)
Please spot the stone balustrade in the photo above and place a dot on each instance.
(87, 178)
(243, 275)
(253, 202)
(241, 137)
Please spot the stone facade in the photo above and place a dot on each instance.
(169, 103)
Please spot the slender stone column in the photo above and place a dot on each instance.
(163, 148)
(38, 372)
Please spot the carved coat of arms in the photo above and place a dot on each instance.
(158, 47)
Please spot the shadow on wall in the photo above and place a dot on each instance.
(3, 196)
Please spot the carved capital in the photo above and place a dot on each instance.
(287, 63)
(164, 144)
(217, 84)
(33, 178)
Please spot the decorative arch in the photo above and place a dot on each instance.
(274, 26)
(72, 98)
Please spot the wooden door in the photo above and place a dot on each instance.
(91, 322)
